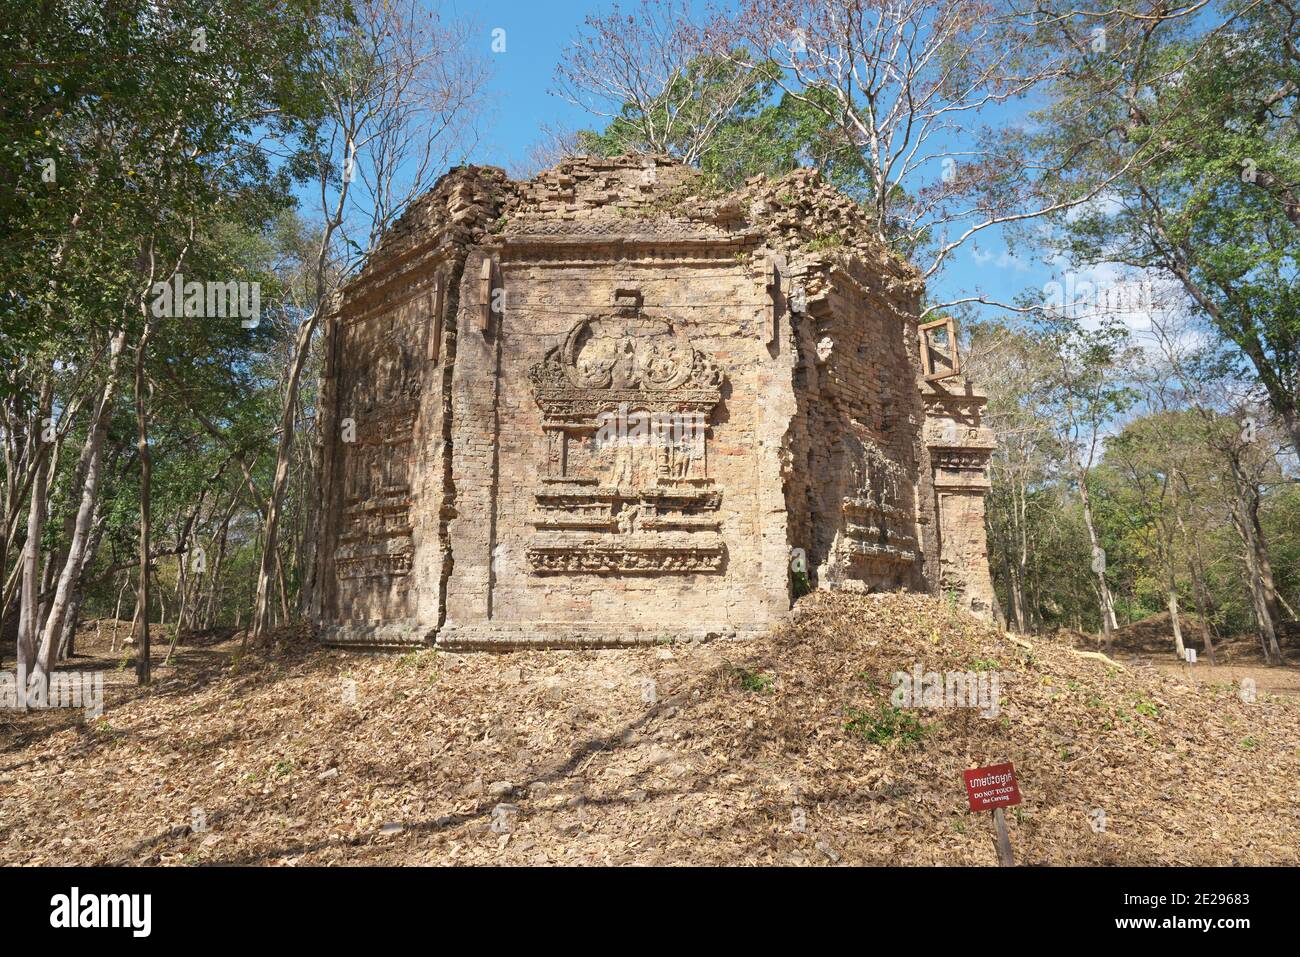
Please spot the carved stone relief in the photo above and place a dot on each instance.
(876, 531)
(375, 533)
(625, 401)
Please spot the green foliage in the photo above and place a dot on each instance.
(762, 134)
(686, 103)
(802, 586)
(783, 136)
(886, 725)
(1146, 707)
(755, 681)
(158, 121)
(818, 243)
(1161, 488)
(418, 660)
(1053, 388)
(1203, 155)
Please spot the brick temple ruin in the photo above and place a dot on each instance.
(606, 407)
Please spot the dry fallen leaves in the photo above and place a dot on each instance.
(304, 755)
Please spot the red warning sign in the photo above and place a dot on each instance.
(992, 787)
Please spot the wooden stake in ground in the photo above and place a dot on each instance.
(1003, 838)
(993, 789)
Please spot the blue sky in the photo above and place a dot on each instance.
(536, 33)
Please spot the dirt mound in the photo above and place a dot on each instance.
(780, 750)
(100, 634)
(1155, 635)
(204, 637)
(1153, 638)
(1150, 637)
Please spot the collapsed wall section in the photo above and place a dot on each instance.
(856, 489)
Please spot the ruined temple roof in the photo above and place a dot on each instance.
(648, 196)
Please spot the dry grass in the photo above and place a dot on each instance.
(286, 769)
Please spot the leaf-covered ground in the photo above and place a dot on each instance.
(1239, 659)
(723, 753)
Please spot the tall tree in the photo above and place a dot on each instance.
(139, 125)
(648, 73)
(1084, 393)
(1194, 131)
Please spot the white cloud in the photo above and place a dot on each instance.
(1112, 290)
(1104, 204)
(1003, 260)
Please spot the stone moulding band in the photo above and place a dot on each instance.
(887, 554)
(578, 408)
(606, 559)
(377, 635)
(374, 566)
(568, 636)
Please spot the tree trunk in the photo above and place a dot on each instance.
(182, 589)
(1255, 576)
(68, 638)
(260, 624)
(143, 669)
(1017, 589)
(1264, 622)
(1022, 559)
(1177, 627)
(1265, 566)
(1245, 518)
(1197, 568)
(29, 607)
(310, 536)
(90, 465)
(209, 614)
(29, 604)
(117, 611)
(1108, 622)
(1292, 422)
(135, 621)
(1203, 610)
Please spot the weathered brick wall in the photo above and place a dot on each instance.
(488, 347)
(386, 472)
(863, 414)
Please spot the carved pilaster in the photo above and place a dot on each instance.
(960, 449)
